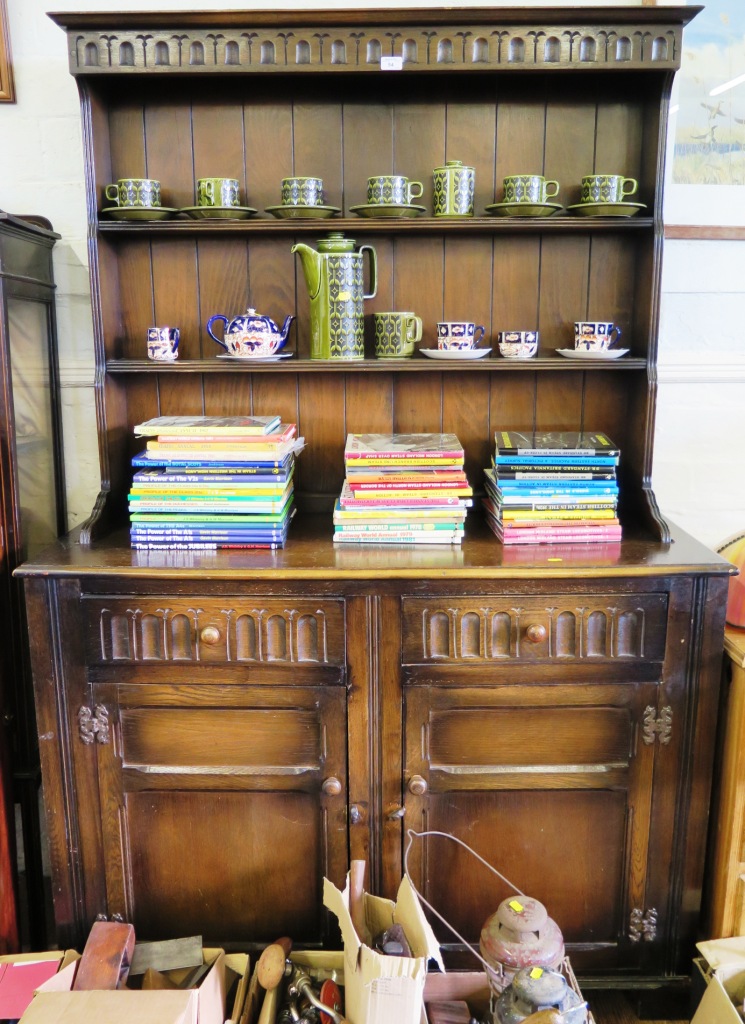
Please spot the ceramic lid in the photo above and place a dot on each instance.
(336, 242)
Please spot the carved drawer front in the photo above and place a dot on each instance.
(565, 627)
(215, 631)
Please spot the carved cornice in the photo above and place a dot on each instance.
(365, 41)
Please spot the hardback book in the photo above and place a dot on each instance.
(435, 537)
(214, 442)
(360, 474)
(197, 426)
(553, 442)
(176, 455)
(404, 447)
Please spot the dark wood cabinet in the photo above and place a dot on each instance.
(220, 731)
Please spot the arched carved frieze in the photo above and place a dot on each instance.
(300, 48)
(269, 632)
(578, 628)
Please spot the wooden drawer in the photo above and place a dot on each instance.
(560, 627)
(187, 630)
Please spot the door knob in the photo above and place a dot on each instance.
(331, 786)
(418, 785)
(210, 635)
(536, 633)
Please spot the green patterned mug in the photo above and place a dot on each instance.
(607, 188)
(529, 188)
(134, 192)
(396, 334)
(218, 192)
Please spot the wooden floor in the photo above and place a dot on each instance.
(613, 1008)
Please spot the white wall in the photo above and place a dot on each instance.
(698, 464)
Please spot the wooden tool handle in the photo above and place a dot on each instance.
(357, 898)
(271, 966)
(106, 958)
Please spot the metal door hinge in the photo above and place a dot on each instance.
(93, 725)
(657, 725)
(643, 925)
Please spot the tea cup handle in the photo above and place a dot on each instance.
(414, 329)
(626, 190)
(217, 316)
(553, 190)
(113, 198)
(411, 190)
(476, 336)
(614, 335)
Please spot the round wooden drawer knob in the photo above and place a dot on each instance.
(536, 633)
(331, 786)
(418, 785)
(210, 635)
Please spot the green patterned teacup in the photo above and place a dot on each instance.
(453, 190)
(302, 191)
(218, 192)
(392, 190)
(607, 188)
(529, 188)
(396, 334)
(134, 192)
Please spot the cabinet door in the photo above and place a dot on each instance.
(552, 786)
(222, 808)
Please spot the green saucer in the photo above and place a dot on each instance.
(302, 212)
(523, 209)
(139, 212)
(388, 210)
(606, 209)
(218, 212)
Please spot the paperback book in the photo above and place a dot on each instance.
(187, 426)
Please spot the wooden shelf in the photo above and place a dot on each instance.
(490, 364)
(382, 226)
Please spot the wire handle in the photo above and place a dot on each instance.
(446, 835)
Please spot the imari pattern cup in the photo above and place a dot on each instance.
(458, 334)
(595, 335)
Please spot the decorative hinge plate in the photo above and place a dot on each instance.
(643, 925)
(657, 725)
(93, 724)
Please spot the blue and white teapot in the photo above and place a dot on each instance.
(250, 335)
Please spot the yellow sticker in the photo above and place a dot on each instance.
(554, 559)
(537, 972)
(517, 907)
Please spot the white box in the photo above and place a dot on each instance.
(380, 989)
(725, 971)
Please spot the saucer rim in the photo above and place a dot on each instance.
(388, 206)
(139, 209)
(245, 209)
(275, 357)
(546, 206)
(607, 353)
(298, 206)
(630, 207)
(456, 353)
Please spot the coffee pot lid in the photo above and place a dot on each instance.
(336, 242)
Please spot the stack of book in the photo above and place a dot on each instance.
(208, 482)
(554, 487)
(402, 489)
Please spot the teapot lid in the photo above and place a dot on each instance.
(336, 242)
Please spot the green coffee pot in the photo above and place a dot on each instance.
(334, 279)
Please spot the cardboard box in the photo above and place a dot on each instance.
(380, 989)
(56, 1003)
(723, 967)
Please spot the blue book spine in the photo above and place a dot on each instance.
(537, 461)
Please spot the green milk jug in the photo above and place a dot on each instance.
(334, 279)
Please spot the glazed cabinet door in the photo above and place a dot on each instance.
(222, 807)
(551, 785)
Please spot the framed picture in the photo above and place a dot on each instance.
(7, 89)
(706, 141)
